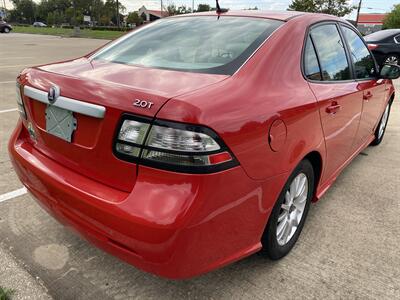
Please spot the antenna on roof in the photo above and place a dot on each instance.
(220, 10)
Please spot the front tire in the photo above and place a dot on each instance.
(290, 212)
(6, 30)
(381, 128)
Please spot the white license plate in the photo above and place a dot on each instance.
(60, 122)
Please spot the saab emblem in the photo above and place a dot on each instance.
(53, 94)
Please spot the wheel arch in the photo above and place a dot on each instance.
(316, 161)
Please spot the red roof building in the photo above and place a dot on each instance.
(368, 23)
(374, 19)
(151, 15)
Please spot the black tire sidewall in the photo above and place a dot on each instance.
(270, 243)
(378, 139)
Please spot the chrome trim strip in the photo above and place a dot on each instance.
(80, 107)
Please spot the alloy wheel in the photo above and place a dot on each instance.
(384, 121)
(393, 60)
(292, 209)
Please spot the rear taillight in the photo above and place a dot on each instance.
(20, 102)
(172, 146)
(372, 46)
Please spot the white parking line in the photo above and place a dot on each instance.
(13, 194)
(14, 66)
(4, 82)
(21, 57)
(8, 110)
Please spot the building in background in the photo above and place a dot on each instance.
(151, 15)
(369, 23)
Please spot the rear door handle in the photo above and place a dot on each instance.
(333, 108)
(367, 96)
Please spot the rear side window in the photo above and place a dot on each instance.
(202, 44)
(331, 52)
(397, 39)
(364, 65)
(311, 66)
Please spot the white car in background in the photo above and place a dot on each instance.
(39, 24)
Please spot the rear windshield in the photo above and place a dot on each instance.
(203, 44)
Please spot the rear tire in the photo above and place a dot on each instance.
(277, 239)
(381, 128)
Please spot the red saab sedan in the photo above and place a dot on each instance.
(200, 139)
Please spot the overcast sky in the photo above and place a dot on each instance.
(369, 6)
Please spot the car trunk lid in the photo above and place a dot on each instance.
(113, 87)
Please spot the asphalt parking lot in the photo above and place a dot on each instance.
(349, 248)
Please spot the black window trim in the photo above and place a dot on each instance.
(349, 51)
(308, 31)
(316, 55)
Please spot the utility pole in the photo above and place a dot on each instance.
(192, 6)
(118, 14)
(76, 27)
(358, 12)
(161, 10)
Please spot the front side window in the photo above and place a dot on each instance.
(203, 44)
(331, 52)
(364, 65)
(311, 66)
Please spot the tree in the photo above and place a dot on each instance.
(338, 8)
(203, 7)
(171, 9)
(105, 20)
(181, 10)
(392, 20)
(24, 11)
(110, 10)
(134, 18)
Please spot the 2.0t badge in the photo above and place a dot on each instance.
(143, 103)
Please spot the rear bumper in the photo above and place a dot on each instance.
(175, 226)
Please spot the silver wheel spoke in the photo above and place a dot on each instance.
(287, 232)
(280, 229)
(302, 186)
(292, 189)
(295, 221)
(282, 216)
(299, 203)
(288, 198)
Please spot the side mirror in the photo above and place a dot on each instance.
(390, 72)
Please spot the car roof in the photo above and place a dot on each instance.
(267, 14)
(284, 15)
(382, 34)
